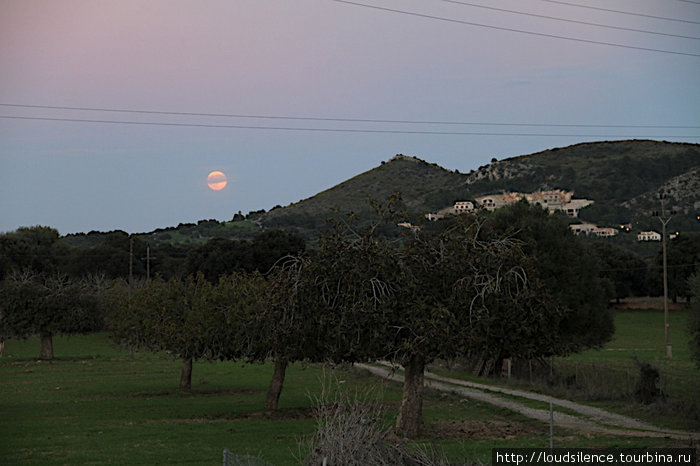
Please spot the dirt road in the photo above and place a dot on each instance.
(587, 418)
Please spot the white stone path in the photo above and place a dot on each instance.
(588, 418)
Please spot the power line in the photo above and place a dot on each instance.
(340, 119)
(339, 130)
(622, 12)
(520, 31)
(607, 26)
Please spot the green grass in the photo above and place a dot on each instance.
(640, 334)
(96, 405)
(607, 377)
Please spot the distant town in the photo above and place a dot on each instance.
(552, 200)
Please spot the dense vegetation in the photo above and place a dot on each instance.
(622, 177)
(469, 287)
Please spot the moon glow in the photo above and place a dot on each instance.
(216, 180)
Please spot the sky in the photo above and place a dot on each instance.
(112, 113)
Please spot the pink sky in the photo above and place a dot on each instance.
(314, 58)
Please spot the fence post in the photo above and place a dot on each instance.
(227, 457)
(551, 426)
(551, 367)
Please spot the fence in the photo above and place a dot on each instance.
(230, 459)
(595, 381)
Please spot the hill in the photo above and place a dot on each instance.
(622, 177)
(423, 186)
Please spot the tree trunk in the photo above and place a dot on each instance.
(46, 350)
(275, 389)
(409, 422)
(186, 375)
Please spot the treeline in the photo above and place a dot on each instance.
(467, 287)
(120, 255)
(484, 287)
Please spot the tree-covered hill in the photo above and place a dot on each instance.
(424, 187)
(622, 177)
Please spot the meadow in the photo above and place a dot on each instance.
(98, 404)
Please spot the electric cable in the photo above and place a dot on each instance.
(340, 130)
(520, 31)
(341, 119)
(560, 2)
(554, 18)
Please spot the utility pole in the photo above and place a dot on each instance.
(131, 261)
(148, 262)
(665, 218)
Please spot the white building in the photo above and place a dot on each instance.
(586, 228)
(649, 236)
(572, 207)
(605, 232)
(462, 207)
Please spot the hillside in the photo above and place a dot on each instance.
(423, 186)
(603, 171)
(622, 177)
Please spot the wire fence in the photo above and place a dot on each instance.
(230, 459)
(596, 381)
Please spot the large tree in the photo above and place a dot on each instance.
(694, 320)
(624, 271)
(568, 269)
(165, 316)
(428, 296)
(683, 255)
(34, 249)
(46, 305)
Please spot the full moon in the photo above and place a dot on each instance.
(216, 180)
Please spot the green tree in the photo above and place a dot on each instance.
(420, 299)
(165, 316)
(683, 255)
(112, 256)
(568, 270)
(272, 245)
(47, 305)
(267, 320)
(694, 321)
(625, 271)
(34, 249)
(219, 257)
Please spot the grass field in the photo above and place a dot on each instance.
(607, 376)
(96, 405)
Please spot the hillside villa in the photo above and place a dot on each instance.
(649, 236)
(552, 200)
(593, 229)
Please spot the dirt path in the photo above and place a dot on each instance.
(588, 418)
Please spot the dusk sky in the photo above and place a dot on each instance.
(294, 76)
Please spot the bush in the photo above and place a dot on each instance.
(647, 389)
(351, 431)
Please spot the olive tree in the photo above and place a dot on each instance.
(164, 316)
(419, 299)
(46, 305)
